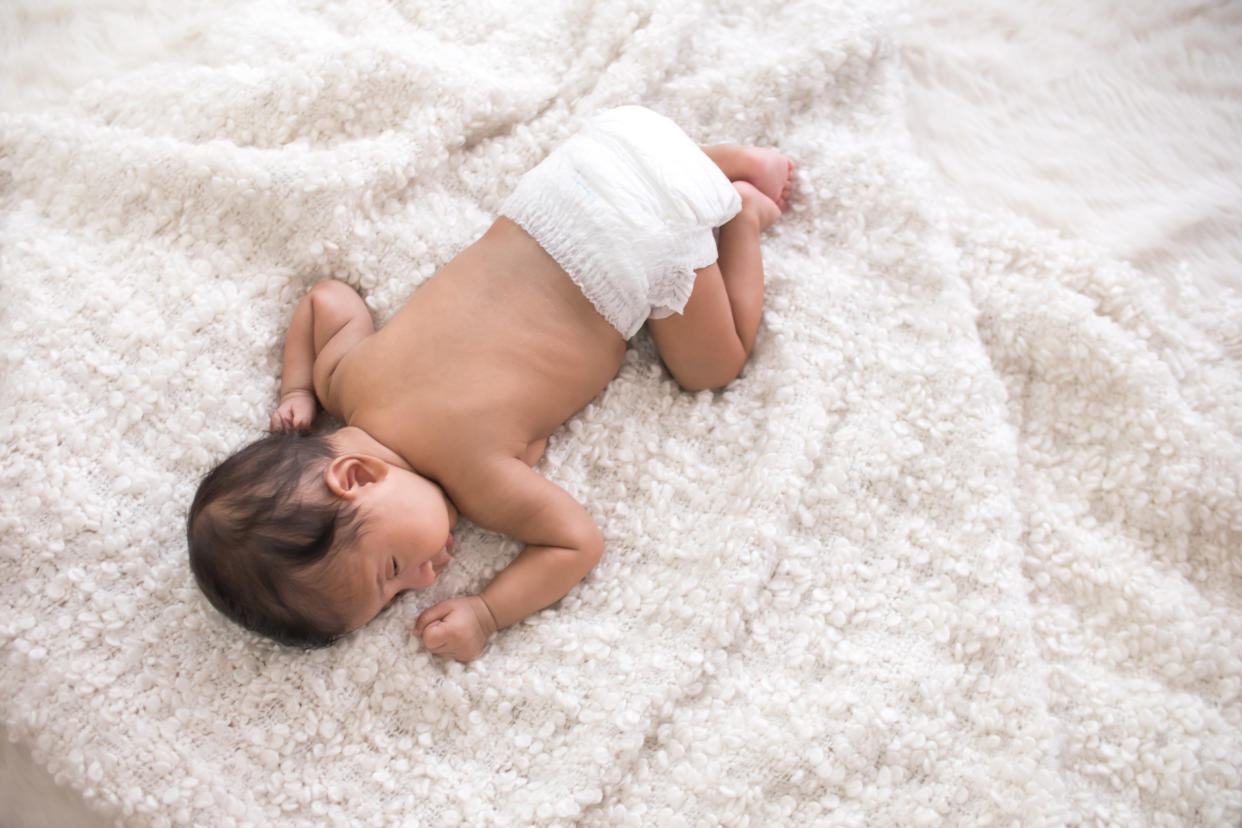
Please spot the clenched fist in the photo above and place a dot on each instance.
(458, 628)
(296, 412)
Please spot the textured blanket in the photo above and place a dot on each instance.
(963, 544)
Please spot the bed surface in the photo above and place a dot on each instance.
(963, 545)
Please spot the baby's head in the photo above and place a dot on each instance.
(258, 519)
(302, 538)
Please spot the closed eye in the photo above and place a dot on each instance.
(395, 568)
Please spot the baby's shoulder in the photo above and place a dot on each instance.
(483, 476)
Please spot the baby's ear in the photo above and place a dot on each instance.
(348, 474)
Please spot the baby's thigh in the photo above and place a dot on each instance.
(700, 346)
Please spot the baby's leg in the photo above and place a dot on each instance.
(707, 344)
(769, 171)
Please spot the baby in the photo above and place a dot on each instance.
(448, 406)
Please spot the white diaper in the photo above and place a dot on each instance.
(627, 207)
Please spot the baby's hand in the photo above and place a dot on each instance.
(457, 628)
(296, 412)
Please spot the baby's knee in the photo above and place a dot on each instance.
(709, 375)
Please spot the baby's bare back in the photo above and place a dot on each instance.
(490, 356)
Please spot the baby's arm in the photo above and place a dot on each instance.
(332, 317)
(562, 545)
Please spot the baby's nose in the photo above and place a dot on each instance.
(441, 560)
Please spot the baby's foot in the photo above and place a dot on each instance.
(771, 173)
(755, 202)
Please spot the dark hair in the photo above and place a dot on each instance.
(258, 518)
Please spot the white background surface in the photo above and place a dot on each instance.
(1112, 122)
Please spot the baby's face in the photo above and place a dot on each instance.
(404, 544)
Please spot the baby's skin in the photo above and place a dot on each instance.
(449, 405)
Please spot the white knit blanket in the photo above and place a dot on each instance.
(963, 545)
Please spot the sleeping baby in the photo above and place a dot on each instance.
(304, 537)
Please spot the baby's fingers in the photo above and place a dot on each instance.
(282, 420)
(294, 414)
(435, 613)
(436, 636)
